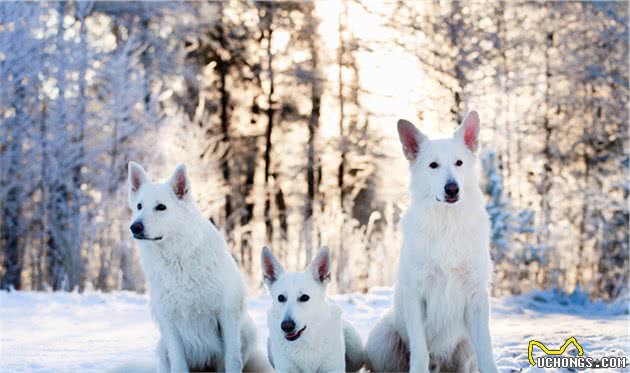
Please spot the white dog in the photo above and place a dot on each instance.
(306, 331)
(441, 300)
(197, 292)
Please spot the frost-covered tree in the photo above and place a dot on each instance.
(282, 112)
(21, 62)
(510, 230)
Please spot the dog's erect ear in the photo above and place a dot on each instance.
(179, 182)
(137, 176)
(410, 138)
(270, 265)
(468, 131)
(320, 266)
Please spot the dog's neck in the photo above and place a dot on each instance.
(425, 214)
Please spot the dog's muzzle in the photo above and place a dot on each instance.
(142, 237)
(292, 336)
(137, 228)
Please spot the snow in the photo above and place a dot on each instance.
(96, 332)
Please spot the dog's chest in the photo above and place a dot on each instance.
(444, 295)
(311, 357)
(184, 290)
(450, 256)
(187, 296)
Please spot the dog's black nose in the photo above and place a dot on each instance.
(137, 228)
(451, 189)
(287, 326)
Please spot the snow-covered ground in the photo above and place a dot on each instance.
(95, 332)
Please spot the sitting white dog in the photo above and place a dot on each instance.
(197, 291)
(306, 331)
(441, 301)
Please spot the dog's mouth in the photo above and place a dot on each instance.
(143, 237)
(449, 200)
(294, 335)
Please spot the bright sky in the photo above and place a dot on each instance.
(391, 75)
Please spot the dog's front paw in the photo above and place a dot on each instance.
(416, 367)
(420, 370)
(180, 367)
(489, 368)
(234, 365)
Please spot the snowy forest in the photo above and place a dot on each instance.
(285, 115)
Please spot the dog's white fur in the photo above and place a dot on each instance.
(328, 343)
(441, 302)
(197, 291)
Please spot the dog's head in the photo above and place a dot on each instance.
(444, 170)
(299, 298)
(158, 208)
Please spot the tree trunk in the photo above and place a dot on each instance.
(248, 213)
(9, 231)
(312, 179)
(58, 194)
(78, 274)
(268, 33)
(546, 182)
(342, 137)
(224, 103)
(454, 30)
(12, 205)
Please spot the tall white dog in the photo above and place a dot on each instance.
(441, 301)
(197, 292)
(306, 331)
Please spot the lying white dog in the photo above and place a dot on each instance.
(197, 292)
(306, 331)
(441, 305)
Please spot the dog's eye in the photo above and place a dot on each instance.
(304, 298)
(434, 165)
(139, 206)
(160, 207)
(282, 298)
(459, 163)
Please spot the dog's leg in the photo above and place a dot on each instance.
(269, 354)
(162, 353)
(248, 338)
(465, 358)
(355, 355)
(336, 361)
(174, 347)
(340, 367)
(231, 331)
(385, 350)
(413, 315)
(477, 321)
(462, 360)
